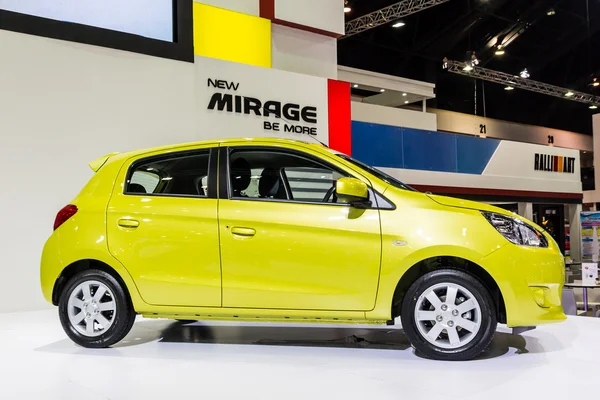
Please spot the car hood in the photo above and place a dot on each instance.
(471, 205)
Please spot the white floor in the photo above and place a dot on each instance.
(164, 360)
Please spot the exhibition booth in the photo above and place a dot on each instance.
(80, 85)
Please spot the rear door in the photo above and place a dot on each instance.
(162, 225)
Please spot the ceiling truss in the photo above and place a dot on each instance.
(517, 82)
(388, 14)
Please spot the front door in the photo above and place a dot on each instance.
(162, 226)
(286, 243)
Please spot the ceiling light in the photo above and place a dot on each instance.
(509, 88)
(524, 74)
(398, 24)
(569, 94)
(499, 50)
(595, 82)
(468, 67)
(347, 9)
(355, 86)
(593, 107)
(382, 90)
(406, 102)
(403, 94)
(550, 12)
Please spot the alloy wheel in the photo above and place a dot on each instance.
(91, 308)
(447, 315)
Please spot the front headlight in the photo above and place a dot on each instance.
(516, 231)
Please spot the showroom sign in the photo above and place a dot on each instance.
(281, 116)
(235, 100)
(553, 163)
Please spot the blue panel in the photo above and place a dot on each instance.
(429, 151)
(474, 153)
(377, 145)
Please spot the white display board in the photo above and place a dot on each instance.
(236, 101)
(149, 18)
(589, 273)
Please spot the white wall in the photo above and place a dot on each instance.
(375, 114)
(469, 124)
(327, 15)
(593, 196)
(305, 52)
(251, 7)
(65, 104)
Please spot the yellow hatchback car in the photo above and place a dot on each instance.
(281, 230)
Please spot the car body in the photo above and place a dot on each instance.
(242, 229)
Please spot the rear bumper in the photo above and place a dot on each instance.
(531, 282)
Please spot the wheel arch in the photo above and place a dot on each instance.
(83, 265)
(452, 262)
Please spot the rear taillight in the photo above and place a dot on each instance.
(64, 214)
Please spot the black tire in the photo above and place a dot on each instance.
(481, 339)
(124, 317)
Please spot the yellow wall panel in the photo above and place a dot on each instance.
(231, 36)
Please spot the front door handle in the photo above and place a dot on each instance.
(245, 232)
(129, 223)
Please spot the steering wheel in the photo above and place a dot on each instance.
(330, 195)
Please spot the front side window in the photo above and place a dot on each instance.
(279, 175)
(178, 175)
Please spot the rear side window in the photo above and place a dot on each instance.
(176, 175)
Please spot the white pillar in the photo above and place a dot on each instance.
(575, 231)
(526, 210)
(424, 105)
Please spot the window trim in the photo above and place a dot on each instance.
(225, 184)
(212, 173)
(180, 49)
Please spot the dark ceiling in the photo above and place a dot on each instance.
(557, 49)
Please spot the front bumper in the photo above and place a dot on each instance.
(531, 282)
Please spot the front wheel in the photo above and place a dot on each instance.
(449, 315)
(94, 309)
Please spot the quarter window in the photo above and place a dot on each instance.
(182, 175)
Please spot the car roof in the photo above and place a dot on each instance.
(219, 142)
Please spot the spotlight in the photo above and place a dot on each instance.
(468, 67)
(550, 12)
(499, 50)
(404, 94)
(509, 88)
(474, 59)
(406, 102)
(398, 24)
(593, 107)
(524, 74)
(595, 82)
(355, 86)
(382, 90)
(569, 94)
(347, 8)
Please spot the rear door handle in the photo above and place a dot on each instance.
(245, 232)
(128, 223)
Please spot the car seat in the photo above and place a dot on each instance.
(241, 176)
(270, 185)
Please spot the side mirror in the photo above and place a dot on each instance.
(353, 191)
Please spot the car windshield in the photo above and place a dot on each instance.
(379, 174)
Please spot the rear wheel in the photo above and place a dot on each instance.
(449, 315)
(94, 309)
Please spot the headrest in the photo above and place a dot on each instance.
(269, 183)
(240, 174)
(136, 188)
